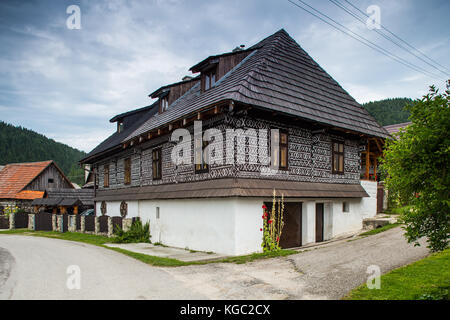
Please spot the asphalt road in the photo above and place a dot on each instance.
(36, 268)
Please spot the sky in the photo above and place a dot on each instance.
(67, 83)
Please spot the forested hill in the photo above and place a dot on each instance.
(18, 144)
(389, 111)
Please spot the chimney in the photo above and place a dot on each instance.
(240, 48)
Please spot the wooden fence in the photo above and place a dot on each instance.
(43, 221)
(4, 222)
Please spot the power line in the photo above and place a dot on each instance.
(393, 34)
(341, 6)
(363, 40)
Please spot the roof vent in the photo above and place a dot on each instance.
(187, 78)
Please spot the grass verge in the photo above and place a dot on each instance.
(151, 260)
(426, 279)
(379, 230)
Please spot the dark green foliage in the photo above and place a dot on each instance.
(389, 111)
(18, 144)
(418, 166)
(138, 233)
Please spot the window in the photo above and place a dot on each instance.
(209, 79)
(164, 103)
(201, 166)
(280, 153)
(157, 212)
(51, 180)
(337, 159)
(156, 164)
(123, 209)
(127, 175)
(345, 207)
(103, 208)
(106, 176)
(119, 126)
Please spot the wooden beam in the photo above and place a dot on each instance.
(170, 127)
(199, 116)
(149, 136)
(184, 122)
(375, 167)
(366, 176)
(378, 145)
(159, 132)
(216, 110)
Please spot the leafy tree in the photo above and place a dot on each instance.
(389, 111)
(417, 163)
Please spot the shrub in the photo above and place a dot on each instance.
(138, 233)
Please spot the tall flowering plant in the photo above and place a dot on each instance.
(9, 209)
(273, 224)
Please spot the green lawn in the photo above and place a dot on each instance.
(426, 279)
(151, 260)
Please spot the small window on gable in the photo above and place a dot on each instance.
(164, 101)
(337, 159)
(209, 79)
(51, 180)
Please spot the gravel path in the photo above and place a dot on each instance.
(328, 272)
(36, 268)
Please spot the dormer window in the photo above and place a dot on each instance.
(164, 102)
(119, 126)
(209, 79)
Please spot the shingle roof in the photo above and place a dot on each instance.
(86, 196)
(139, 116)
(14, 177)
(394, 128)
(279, 75)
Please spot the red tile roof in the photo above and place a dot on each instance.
(14, 177)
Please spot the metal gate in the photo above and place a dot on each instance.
(78, 222)
(4, 222)
(117, 221)
(43, 221)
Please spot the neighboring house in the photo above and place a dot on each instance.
(393, 129)
(21, 183)
(216, 206)
(70, 201)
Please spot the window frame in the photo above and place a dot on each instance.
(158, 162)
(164, 103)
(204, 166)
(127, 171)
(207, 82)
(282, 146)
(106, 176)
(338, 154)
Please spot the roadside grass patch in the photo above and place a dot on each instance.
(379, 230)
(148, 259)
(426, 279)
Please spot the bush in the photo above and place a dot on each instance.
(138, 233)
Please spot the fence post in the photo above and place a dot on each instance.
(126, 224)
(110, 227)
(12, 221)
(97, 225)
(83, 224)
(60, 223)
(31, 222)
(54, 223)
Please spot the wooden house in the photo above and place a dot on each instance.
(320, 135)
(21, 183)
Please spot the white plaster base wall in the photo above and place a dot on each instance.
(232, 225)
(229, 226)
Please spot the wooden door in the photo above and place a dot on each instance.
(292, 232)
(380, 198)
(319, 222)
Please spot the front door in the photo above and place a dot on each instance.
(319, 222)
(292, 231)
